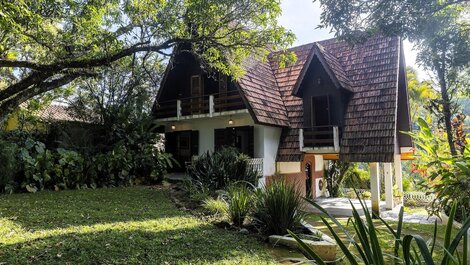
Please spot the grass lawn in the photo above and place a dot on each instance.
(135, 225)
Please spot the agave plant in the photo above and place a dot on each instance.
(366, 242)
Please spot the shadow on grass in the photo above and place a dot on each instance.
(50, 210)
(200, 244)
(136, 225)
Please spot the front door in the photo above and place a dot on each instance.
(183, 145)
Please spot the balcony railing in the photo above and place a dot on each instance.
(320, 137)
(207, 104)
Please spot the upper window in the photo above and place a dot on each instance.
(321, 111)
(196, 86)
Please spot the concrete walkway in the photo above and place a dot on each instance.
(341, 207)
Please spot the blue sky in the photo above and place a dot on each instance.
(303, 16)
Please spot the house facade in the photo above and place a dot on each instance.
(335, 102)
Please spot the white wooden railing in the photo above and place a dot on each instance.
(257, 165)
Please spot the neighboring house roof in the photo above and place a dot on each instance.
(369, 70)
(58, 113)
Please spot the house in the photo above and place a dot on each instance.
(335, 102)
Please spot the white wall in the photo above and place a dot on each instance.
(272, 136)
(266, 138)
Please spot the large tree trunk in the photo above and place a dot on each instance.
(446, 105)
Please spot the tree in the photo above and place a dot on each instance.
(420, 93)
(440, 30)
(46, 44)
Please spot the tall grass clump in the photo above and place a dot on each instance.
(239, 200)
(277, 208)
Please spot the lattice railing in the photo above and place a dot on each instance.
(257, 165)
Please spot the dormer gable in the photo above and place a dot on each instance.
(329, 64)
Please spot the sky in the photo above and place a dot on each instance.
(303, 16)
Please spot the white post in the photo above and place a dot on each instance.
(301, 139)
(388, 186)
(211, 105)
(398, 176)
(336, 138)
(375, 187)
(178, 109)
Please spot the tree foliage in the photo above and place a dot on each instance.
(440, 30)
(46, 44)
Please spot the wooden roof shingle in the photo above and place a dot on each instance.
(369, 70)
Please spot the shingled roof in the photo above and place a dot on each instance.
(369, 70)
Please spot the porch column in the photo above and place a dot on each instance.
(375, 187)
(398, 176)
(388, 186)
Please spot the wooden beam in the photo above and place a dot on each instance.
(331, 157)
(407, 156)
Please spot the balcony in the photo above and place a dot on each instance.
(320, 139)
(208, 105)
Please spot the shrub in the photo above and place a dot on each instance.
(366, 195)
(37, 166)
(239, 200)
(197, 191)
(8, 165)
(447, 176)
(215, 206)
(277, 207)
(218, 169)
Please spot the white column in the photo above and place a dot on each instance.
(211, 105)
(336, 138)
(178, 109)
(398, 175)
(388, 186)
(301, 139)
(375, 187)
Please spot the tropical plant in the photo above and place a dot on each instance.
(8, 165)
(366, 243)
(218, 169)
(239, 198)
(448, 176)
(277, 207)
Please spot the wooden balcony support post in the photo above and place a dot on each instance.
(388, 186)
(301, 139)
(211, 105)
(375, 188)
(178, 109)
(336, 138)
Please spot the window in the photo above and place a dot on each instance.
(196, 86)
(321, 111)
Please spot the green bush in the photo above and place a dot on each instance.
(31, 166)
(218, 169)
(447, 176)
(8, 165)
(366, 195)
(277, 208)
(239, 200)
(215, 206)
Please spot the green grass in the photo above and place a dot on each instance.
(386, 240)
(115, 226)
